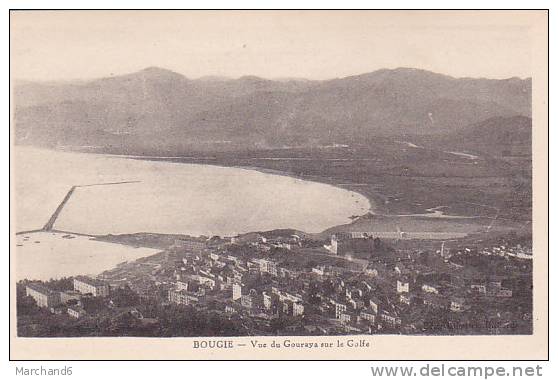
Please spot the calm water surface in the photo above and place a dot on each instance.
(170, 197)
(160, 197)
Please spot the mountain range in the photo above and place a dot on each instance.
(159, 110)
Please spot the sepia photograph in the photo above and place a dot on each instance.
(256, 184)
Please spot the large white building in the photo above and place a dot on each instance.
(86, 285)
(266, 266)
(182, 297)
(43, 296)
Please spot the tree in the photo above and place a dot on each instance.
(124, 297)
(25, 305)
(64, 283)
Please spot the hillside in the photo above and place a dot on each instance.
(497, 136)
(159, 110)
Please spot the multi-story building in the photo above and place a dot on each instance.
(193, 246)
(286, 307)
(205, 278)
(345, 318)
(181, 297)
(367, 315)
(230, 309)
(43, 296)
(266, 266)
(236, 291)
(402, 286)
(69, 295)
(339, 309)
(298, 309)
(87, 285)
(181, 285)
(248, 299)
(374, 305)
(267, 302)
(478, 288)
(76, 312)
(390, 319)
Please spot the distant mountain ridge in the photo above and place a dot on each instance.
(157, 109)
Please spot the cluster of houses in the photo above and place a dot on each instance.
(269, 301)
(491, 288)
(214, 276)
(266, 244)
(517, 251)
(247, 277)
(372, 295)
(357, 307)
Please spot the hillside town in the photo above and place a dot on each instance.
(288, 283)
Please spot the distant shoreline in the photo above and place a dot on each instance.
(377, 209)
(356, 203)
(374, 202)
(375, 199)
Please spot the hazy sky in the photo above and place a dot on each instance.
(318, 45)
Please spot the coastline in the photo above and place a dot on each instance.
(375, 201)
(378, 214)
(361, 203)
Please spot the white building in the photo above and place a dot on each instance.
(43, 296)
(266, 266)
(429, 289)
(298, 309)
(181, 285)
(182, 297)
(86, 285)
(367, 315)
(266, 300)
(236, 292)
(339, 309)
(76, 312)
(402, 286)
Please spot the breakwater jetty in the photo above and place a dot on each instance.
(50, 224)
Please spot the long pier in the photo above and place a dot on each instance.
(50, 224)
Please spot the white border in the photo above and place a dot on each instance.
(321, 370)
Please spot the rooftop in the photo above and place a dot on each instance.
(40, 288)
(90, 281)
